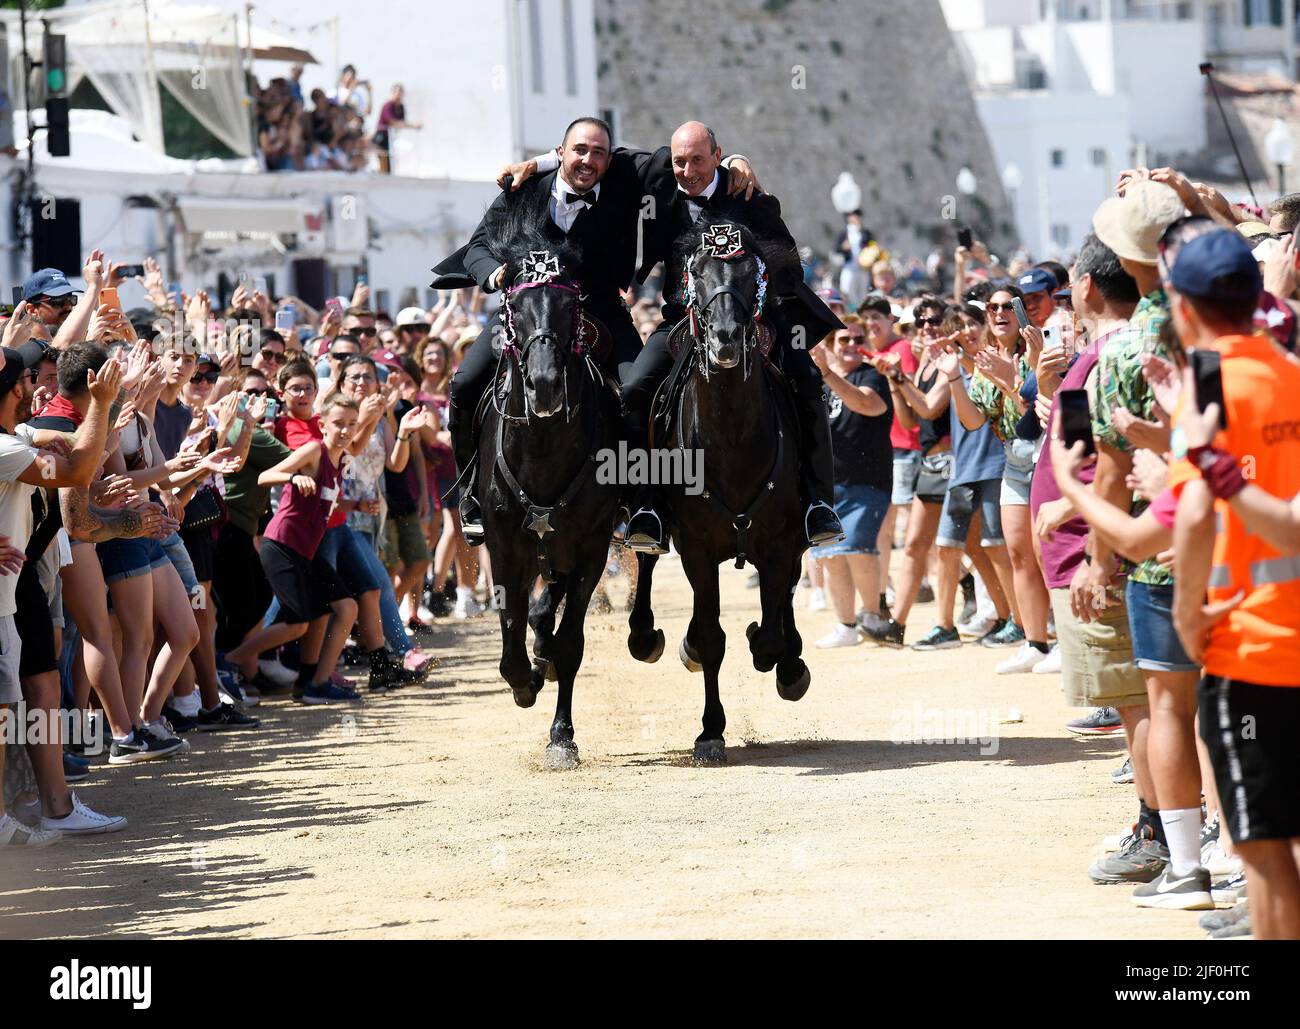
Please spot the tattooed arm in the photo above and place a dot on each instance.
(85, 521)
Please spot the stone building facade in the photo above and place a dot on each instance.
(808, 89)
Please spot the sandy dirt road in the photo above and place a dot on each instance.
(427, 813)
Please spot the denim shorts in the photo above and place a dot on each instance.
(340, 548)
(862, 510)
(953, 528)
(1156, 647)
(127, 558)
(907, 466)
(174, 548)
(1018, 472)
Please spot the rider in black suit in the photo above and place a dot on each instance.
(798, 317)
(594, 198)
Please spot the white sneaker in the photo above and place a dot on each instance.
(976, 627)
(277, 673)
(1217, 863)
(817, 599)
(83, 821)
(426, 616)
(1051, 663)
(14, 834)
(467, 606)
(841, 636)
(1023, 660)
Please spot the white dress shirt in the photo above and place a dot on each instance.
(563, 213)
(706, 192)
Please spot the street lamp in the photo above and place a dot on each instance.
(846, 194)
(966, 186)
(1012, 180)
(1281, 150)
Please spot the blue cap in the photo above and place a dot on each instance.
(1217, 265)
(48, 282)
(1036, 280)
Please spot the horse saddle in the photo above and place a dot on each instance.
(593, 335)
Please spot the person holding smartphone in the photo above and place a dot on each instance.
(994, 398)
(1247, 636)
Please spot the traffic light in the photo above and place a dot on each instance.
(55, 65)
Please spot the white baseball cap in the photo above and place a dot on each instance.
(413, 316)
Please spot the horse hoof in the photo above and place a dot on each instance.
(689, 658)
(794, 690)
(750, 630)
(561, 757)
(543, 672)
(525, 696)
(635, 646)
(710, 752)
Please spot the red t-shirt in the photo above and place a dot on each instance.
(293, 433)
(900, 438)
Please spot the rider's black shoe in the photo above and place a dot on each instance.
(645, 533)
(471, 519)
(822, 525)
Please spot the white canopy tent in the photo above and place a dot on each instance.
(130, 48)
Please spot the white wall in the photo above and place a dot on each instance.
(976, 14)
(1024, 128)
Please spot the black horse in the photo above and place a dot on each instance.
(729, 407)
(547, 415)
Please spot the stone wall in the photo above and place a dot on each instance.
(807, 89)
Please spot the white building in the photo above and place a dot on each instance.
(1071, 91)
(489, 83)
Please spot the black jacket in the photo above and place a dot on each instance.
(606, 231)
(761, 214)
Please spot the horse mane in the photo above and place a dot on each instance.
(520, 228)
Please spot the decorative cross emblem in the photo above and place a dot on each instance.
(722, 241)
(540, 266)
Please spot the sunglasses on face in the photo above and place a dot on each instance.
(341, 355)
(359, 378)
(365, 332)
(933, 323)
(259, 391)
(58, 303)
(995, 308)
(209, 377)
(272, 355)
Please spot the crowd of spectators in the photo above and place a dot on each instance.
(202, 507)
(1103, 460)
(330, 134)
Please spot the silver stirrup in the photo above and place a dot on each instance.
(647, 547)
(808, 536)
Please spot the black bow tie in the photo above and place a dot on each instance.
(587, 198)
(700, 201)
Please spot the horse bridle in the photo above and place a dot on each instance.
(582, 329)
(698, 307)
(538, 517)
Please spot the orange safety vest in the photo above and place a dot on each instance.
(1259, 640)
